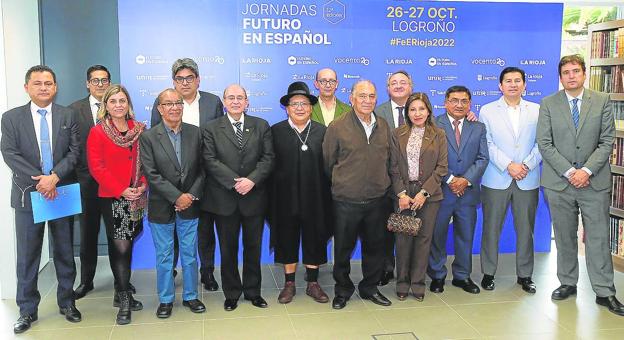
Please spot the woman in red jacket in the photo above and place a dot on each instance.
(113, 156)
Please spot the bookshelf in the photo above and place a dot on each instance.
(606, 74)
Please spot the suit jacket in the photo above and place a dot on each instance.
(469, 160)
(167, 178)
(20, 150)
(84, 119)
(210, 107)
(317, 114)
(564, 147)
(385, 111)
(505, 146)
(433, 162)
(224, 161)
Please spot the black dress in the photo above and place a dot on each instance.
(300, 197)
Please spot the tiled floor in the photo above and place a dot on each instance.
(505, 313)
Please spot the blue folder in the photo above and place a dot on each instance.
(67, 203)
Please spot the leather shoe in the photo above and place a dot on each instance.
(288, 292)
(385, 278)
(339, 302)
(164, 310)
(401, 296)
(72, 314)
(194, 305)
(437, 285)
(230, 304)
(134, 304)
(467, 285)
(487, 282)
(315, 291)
(23, 323)
(612, 303)
(527, 284)
(132, 288)
(258, 301)
(82, 290)
(378, 299)
(210, 283)
(419, 298)
(563, 292)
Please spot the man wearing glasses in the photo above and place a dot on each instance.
(467, 159)
(199, 108)
(359, 162)
(328, 106)
(98, 80)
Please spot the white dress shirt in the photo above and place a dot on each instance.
(94, 108)
(36, 117)
(242, 120)
(190, 113)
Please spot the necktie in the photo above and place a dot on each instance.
(575, 112)
(98, 105)
(401, 117)
(239, 134)
(44, 143)
(457, 134)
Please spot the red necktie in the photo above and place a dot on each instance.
(457, 134)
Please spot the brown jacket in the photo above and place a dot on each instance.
(433, 163)
(359, 170)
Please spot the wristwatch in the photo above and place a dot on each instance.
(425, 193)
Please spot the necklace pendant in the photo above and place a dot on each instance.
(304, 147)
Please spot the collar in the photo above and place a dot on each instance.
(372, 122)
(34, 108)
(292, 125)
(232, 121)
(93, 100)
(580, 96)
(451, 119)
(506, 105)
(395, 105)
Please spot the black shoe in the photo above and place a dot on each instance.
(612, 303)
(563, 292)
(230, 304)
(385, 278)
(210, 283)
(339, 302)
(132, 289)
(467, 285)
(72, 314)
(124, 315)
(437, 285)
(527, 284)
(487, 282)
(134, 304)
(195, 306)
(401, 296)
(378, 299)
(164, 310)
(82, 290)
(258, 301)
(23, 323)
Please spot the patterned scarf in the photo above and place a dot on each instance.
(125, 141)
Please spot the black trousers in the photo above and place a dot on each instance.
(89, 231)
(368, 222)
(228, 229)
(206, 244)
(29, 241)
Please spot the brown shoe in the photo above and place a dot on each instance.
(315, 291)
(287, 293)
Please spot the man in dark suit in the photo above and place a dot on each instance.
(467, 160)
(238, 157)
(98, 80)
(40, 145)
(575, 132)
(199, 109)
(399, 88)
(171, 158)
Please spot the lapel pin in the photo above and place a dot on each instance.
(246, 130)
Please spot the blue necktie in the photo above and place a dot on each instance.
(575, 112)
(44, 143)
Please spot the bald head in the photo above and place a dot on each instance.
(327, 83)
(235, 100)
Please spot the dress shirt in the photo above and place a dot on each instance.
(175, 139)
(368, 129)
(514, 116)
(567, 174)
(328, 114)
(460, 127)
(36, 117)
(232, 121)
(94, 108)
(190, 113)
(395, 112)
(292, 125)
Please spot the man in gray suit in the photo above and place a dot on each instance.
(399, 89)
(199, 109)
(238, 157)
(40, 145)
(575, 133)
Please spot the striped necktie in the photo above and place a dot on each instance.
(239, 134)
(575, 112)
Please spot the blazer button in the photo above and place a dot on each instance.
(578, 147)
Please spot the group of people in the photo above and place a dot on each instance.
(328, 170)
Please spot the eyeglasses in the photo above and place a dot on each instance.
(326, 82)
(455, 101)
(233, 98)
(170, 105)
(181, 80)
(299, 104)
(98, 81)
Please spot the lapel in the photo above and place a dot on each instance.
(86, 113)
(465, 134)
(403, 139)
(524, 118)
(29, 127)
(450, 133)
(317, 114)
(565, 110)
(185, 143)
(427, 139)
(203, 115)
(228, 130)
(248, 129)
(502, 107)
(165, 142)
(56, 126)
(585, 107)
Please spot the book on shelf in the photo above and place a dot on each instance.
(608, 44)
(609, 79)
(616, 235)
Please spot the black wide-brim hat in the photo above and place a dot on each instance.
(298, 88)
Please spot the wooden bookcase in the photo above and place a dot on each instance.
(605, 65)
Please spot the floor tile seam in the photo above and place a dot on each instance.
(34, 330)
(466, 321)
(292, 324)
(484, 303)
(136, 324)
(243, 317)
(330, 312)
(273, 275)
(380, 324)
(405, 308)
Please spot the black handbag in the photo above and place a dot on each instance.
(404, 224)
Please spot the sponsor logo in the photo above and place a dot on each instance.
(434, 61)
(140, 59)
(532, 62)
(256, 93)
(484, 93)
(532, 78)
(483, 77)
(352, 60)
(256, 76)
(301, 60)
(533, 93)
(150, 59)
(398, 61)
(151, 77)
(215, 59)
(351, 76)
(259, 109)
(303, 77)
(334, 11)
(441, 78)
(437, 92)
(257, 60)
(489, 61)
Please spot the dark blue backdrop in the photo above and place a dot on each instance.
(264, 46)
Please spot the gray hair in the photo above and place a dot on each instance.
(184, 63)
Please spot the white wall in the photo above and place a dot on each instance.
(19, 50)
